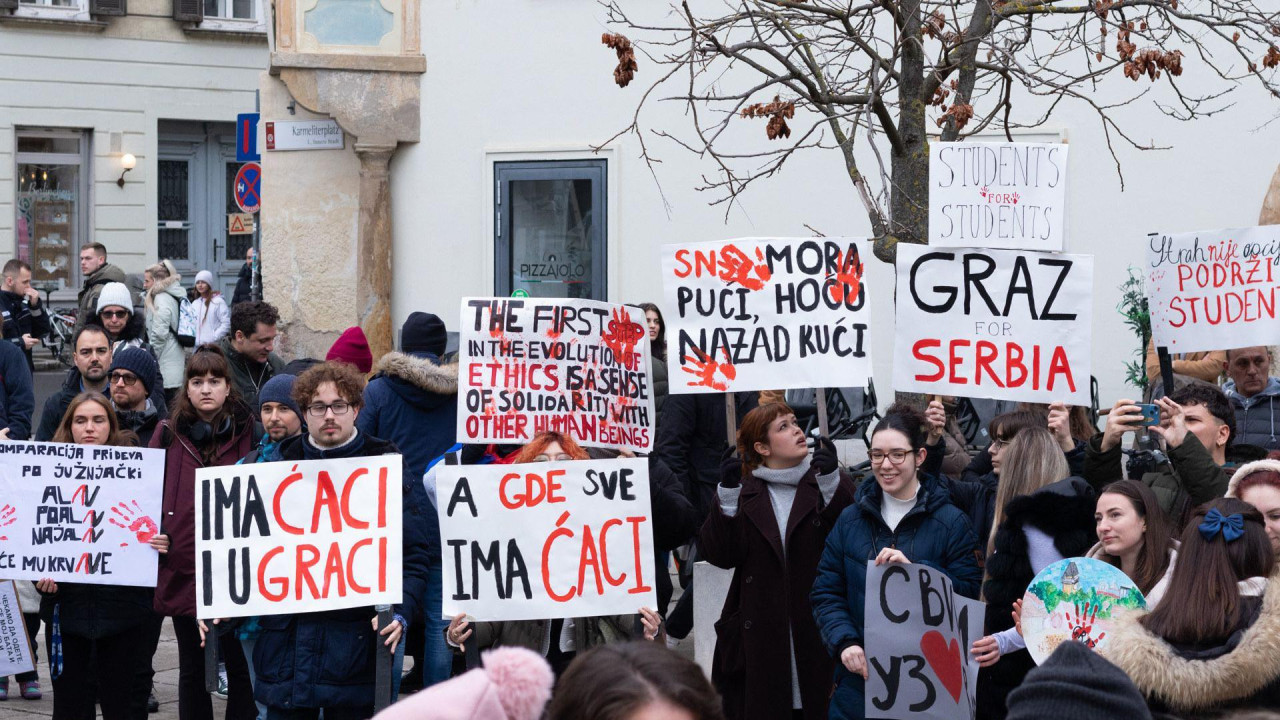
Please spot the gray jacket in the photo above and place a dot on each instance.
(1257, 417)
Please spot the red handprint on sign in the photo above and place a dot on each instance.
(622, 336)
(704, 369)
(7, 518)
(848, 277)
(1014, 197)
(737, 267)
(1081, 624)
(143, 526)
(983, 191)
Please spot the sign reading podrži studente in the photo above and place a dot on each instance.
(997, 195)
(917, 636)
(79, 513)
(292, 537)
(546, 540)
(579, 367)
(1002, 324)
(15, 646)
(766, 313)
(1214, 290)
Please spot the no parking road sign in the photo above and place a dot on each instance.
(248, 187)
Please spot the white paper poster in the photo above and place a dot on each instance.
(15, 646)
(997, 195)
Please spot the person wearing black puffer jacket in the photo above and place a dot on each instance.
(1043, 516)
(96, 630)
(324, 661)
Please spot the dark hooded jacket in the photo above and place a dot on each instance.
(249, 376)
(413, 402)
(22, 319)
(55, 406)
(691, 439)
(326, 659)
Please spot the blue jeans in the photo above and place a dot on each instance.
(436, 656)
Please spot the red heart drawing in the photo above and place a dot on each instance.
(945, 660)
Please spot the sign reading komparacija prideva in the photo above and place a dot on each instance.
(1214, 290)
(1002, 324)
(546, 540)
(918, 635)
(79, 513)
(997, 195)
(579, 367)
(290, 537)
(15, 646)
(766, 313)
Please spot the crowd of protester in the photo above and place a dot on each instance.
(1192, 518)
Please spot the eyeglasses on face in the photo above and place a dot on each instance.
(895, 457)
(123, 377)
(562, 457)
(114, 314)
(319, 410)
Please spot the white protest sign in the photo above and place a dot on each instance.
(79, 513)
(15, 646)
(917, 640)
(1002, 324)
(291, 537)
(766, 313)
(997, 195)
(580, 367)
(1214, 290)
(546, 540)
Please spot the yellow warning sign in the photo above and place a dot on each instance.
(239, 224)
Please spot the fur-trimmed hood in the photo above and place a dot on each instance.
(1248, 469)
(419, 380)
(171, 285)
(1250, 668)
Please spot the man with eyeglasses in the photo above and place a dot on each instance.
(92, 360)
(302, 646)
(131, 381)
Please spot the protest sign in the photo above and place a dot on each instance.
(1079, 599)
(290, 537)
(546, 540)
(79, 513)
(918, 635)
(579, 367)
(1002, 324)
(15, 646)
(766, 313)
(997, 195)
(1214, 290)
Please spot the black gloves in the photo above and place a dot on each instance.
(730, 469)
(825, 460)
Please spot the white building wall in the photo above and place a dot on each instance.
(119, 80)
(529, 79)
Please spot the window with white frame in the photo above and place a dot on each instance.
(51, 183)
(54, 9)
(230, 9)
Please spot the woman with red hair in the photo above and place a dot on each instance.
(1258, 483)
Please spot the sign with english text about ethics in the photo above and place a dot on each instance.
(1214, 290)
(766, 313)
(546, 540)
(1000, 324)
(291, 537)
(579, 367)
(15, 646)
(997, 195)
(917, 640)
(79, 513)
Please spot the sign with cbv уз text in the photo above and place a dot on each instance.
(290, 537)
(15, 646)
(546, 540)
(579, 367)
(1001, 324)
(917, 639)
(79, 513)
(997, 195)
(1214, 290)
(766, 313)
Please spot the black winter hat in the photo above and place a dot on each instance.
(423, 333)
(1076, 683)
(140, 363)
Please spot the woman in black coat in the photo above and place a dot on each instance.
(769, 525)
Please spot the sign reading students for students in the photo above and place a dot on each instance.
(79, 513)
(995, 324)
(546, 540)
(579, 367)
(290, 537)
(1214, 290)
(917, 640)
(15, 646)
(766, 313)
(997, 195)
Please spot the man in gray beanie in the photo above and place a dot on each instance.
(280, 417)
(1076, 683)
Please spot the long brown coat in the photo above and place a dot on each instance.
(752, 666)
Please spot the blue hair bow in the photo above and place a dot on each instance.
(1231, 526)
